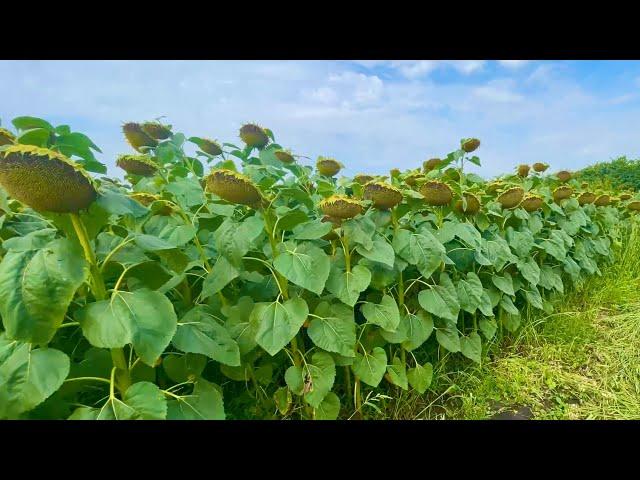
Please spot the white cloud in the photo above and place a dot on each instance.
(498, 91)
(513, 64)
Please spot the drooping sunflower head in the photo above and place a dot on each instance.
(584, 185)
(383, 195)
(142, 165)
(328, 166)
(211, 147)
(254, 135)
(586, 197)
(625, 196)
(157, 130)
(413, 179)
(564, 175)
(234, 187)
(6, 137)
(147, 199)
(45, 180)
(540, 167)
(602, 200)
(523, 170)
(436, 193)
(363, 178)
(473, 204)
(511, 198)
(284, 156)
(394, 172)
(494, 187)
(452, 174)
(531, 203)
(562, 193)
(341, 207)
(635, 206)
(469, 144)
(431, 164)
(137, 137)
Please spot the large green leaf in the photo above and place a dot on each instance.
(421, 249)
(397, 374)
(470, 292)
(219, 277)
(141, 401)
(320, 374)
(441, 300)
(329, 409)
(420, 377)
(277, 323)
(28, 377)
(370, 367)
(380, 252)
(143, 318)
(304, 264)
(205, 403)
(239, 324)
(333, 329)
(471, 346)
(384, 314)
(449, 338)
(199, 332)
(504, 283)
(36, 289)
(347, 286)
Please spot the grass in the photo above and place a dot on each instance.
(582, 362)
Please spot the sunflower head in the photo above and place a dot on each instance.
(469, 144)
(635, 206)
(234, 187)
(531, 203)
(540, 167)
(413, 178)
(584, 185)
(523, 170)
(394, 172)
(431, 164)
(147, 199)
(586, 198)
(363, 178)
(284, 156)
(494, 187)
(625, 196)
(157, 130)
(452, 174)
(383, 195)
(45, 180)
(564, 175)
(142, 165)
(254, 136)
(6, 137)
(473, 204)
(211, 147)
(137, 137)
(562, 193)
(436, 193)
(602, 200)
(328, 166)
(340, 207)
(511, 198)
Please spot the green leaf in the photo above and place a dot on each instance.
(381, 252)
(220, 276)
(182, 368)
(38, 137)
(420, 377)
(504, 283)
(294, 380)
(239, 326)
(347, 286)
(419, 327)
(488, 327)
(234, 239)
(329, 409)
(370, 368)
(28, 377)
(529, 270)
(507, 305)
(199, 332)
(334, 330)
(534, 298)
(187, 192)
(441, 300)
(283, 400)
(141, 401)
(449, 338)
(312, 230)
(26, 123)
(117, 203)
(277, 323)
(471, 346)
(470, 293)
(360, 230)
(36, 289)
(205, 403)
(305, 265)
(143, 318)
(420, 249)
(385, 314)
(397, 374)
(319, 377)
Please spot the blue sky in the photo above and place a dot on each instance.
(370, 115)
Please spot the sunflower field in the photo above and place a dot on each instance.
(240, 283)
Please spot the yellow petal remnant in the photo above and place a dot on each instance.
(142, 165)
(531, 203)
(562, 193)
(511, 198)
(45, 180)
(6, 137)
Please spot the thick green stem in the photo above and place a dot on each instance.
(347, 380)
(347, 253)
(123, 377)
(358, 398)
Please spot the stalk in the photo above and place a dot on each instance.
(99, 291)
